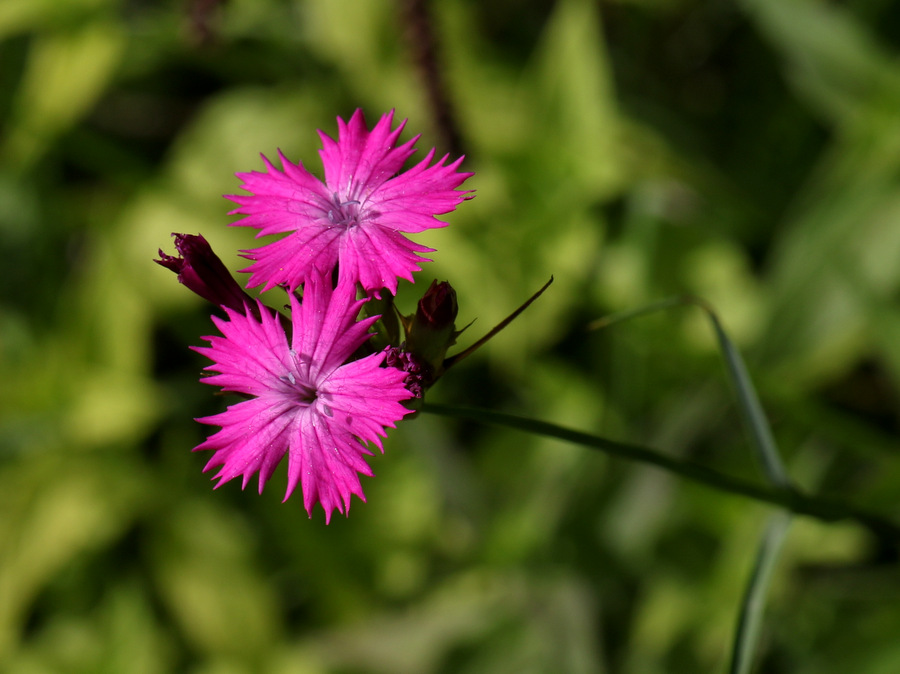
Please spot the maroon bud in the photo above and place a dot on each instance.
(201, 270)
(437, 309)
(431, 331)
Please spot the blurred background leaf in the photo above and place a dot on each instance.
(745, 152)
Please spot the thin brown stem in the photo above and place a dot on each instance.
(423, 45)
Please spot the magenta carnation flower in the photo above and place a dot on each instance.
(307, 402)
(357, 217)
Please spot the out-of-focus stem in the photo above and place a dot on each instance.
(789, 498)
(423, 45)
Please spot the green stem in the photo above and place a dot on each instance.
(622, 316)
(789, 498)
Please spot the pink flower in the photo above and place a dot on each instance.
(357, 217)
(307, 401)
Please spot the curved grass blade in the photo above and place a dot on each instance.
(749, 624)
(761, 436)
(751, 409)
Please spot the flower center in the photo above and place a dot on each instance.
(302, 394)
(343, 213)
(298, 386)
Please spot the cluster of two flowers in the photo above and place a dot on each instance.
(319, 386)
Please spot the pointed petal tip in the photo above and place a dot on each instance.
(291, 486)
(283, 158)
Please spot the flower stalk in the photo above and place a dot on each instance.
(788, 498)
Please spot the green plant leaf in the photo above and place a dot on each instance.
(748, 628)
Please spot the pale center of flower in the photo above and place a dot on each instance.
(299, 387)
(343, 213)
(303, 394)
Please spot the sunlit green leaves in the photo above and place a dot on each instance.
(66, 72)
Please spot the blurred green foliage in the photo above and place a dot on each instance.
(748, 152)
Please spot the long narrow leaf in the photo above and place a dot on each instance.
(747, 633)
(763, 445)
(751, 409)
(762, 441)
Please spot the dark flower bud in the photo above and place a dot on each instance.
(201, 270)
(437, 309)
(431, 331)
